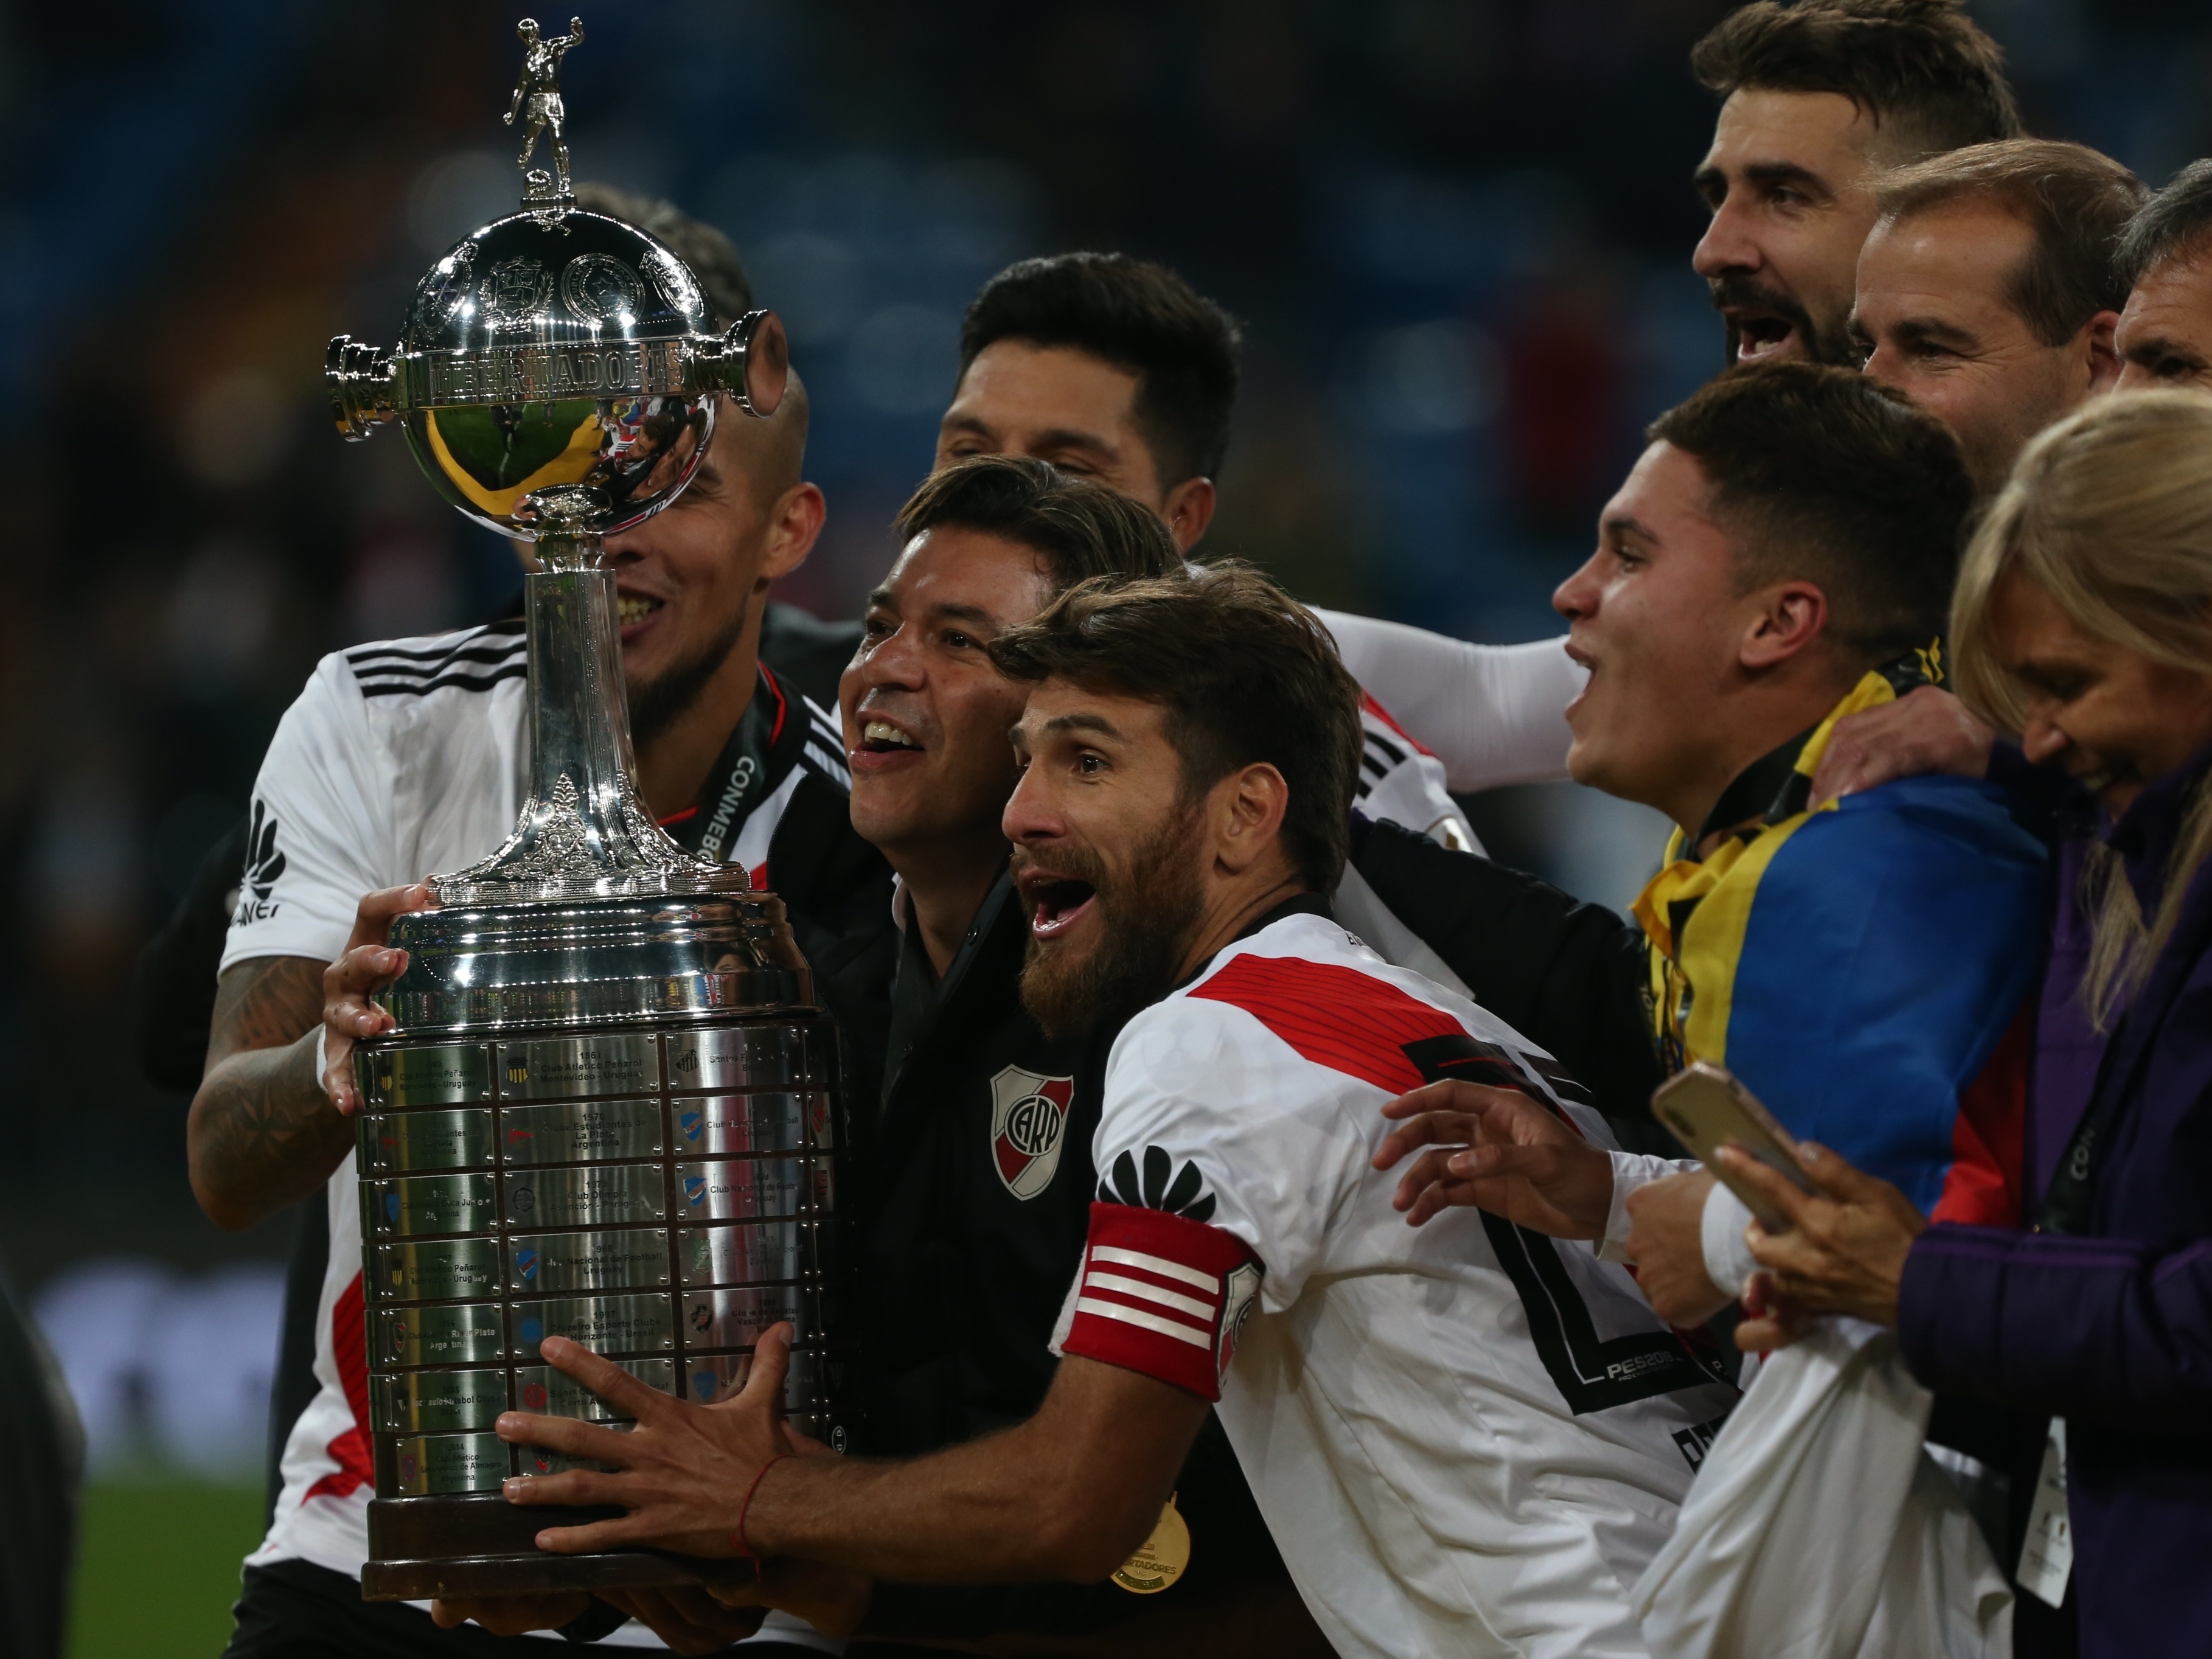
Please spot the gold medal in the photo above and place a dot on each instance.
(1161, 1558)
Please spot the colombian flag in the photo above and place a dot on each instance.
(1867, 968)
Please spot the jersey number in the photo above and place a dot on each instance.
(1592, 1372)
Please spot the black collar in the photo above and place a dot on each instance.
(1771, 788)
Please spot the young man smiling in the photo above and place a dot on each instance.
(1188, 748)
(1779, 558)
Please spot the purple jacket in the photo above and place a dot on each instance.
(2113, 1330)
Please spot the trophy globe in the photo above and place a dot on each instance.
(607, 1109)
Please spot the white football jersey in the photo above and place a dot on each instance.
(398, 761)
(1403, 783)
(1466, 1439)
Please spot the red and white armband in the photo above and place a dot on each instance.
(1163, 1295)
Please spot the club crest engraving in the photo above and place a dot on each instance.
(515, 290)
(596, 287)
(1029, 1127)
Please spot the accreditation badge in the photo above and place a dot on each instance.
(1161, 1558)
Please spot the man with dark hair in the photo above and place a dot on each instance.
(1817, 98)
(1117, 369)
(2165, 334)
(1988, 289)
(1779, 558)
(1154, 426)
(1238, 1250)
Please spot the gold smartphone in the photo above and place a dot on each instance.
(1705, 1106)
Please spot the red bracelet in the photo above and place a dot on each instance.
(745, 1548)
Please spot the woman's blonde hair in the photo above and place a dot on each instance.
(2110, 513)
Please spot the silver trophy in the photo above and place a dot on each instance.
(607, 1109)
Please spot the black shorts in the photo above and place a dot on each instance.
(295, 1610)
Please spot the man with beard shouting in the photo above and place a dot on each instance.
(1818, 99)
(968, 1192)
(1187, 753)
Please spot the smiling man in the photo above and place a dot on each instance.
(1780, 558)
(1818, 97)
(1989, 289)
(1188, 751)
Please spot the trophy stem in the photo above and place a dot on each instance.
(583, 831)
(579, 709)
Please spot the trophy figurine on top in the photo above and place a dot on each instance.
(607, 1109)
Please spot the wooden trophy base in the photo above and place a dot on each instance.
(461, 1548)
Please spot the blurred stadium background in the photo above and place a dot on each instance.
(1458, 231)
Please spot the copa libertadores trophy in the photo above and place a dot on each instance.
(605, 1111)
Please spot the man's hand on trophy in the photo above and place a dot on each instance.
(686, 1618)
(512, 1615)
(683, 1472)
(1496, 1150)
(829, 1598)
(367, 966)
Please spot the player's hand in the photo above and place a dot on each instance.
(1771, 1320)
(367, 965)
(1667, 1243)
(511, 1615)
(1499, 1151)
(687, 1618)
(831, 1599)
(1924, 731)
(1845, 1248)
(681, 1474)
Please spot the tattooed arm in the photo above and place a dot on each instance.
(262, 1132)
(266, 1130)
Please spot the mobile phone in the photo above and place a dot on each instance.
(1706, 1107)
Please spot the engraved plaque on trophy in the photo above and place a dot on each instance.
(607, 1109)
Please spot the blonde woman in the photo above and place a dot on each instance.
(2083, 623)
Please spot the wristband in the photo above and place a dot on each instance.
(322, 1059)
(738, 1538)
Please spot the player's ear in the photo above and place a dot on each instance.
(1249, 804)
(794, 522)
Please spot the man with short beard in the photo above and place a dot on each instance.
(1818, 98)
(1187, 753)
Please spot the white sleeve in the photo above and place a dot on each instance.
(1729, 1261)
(321, 834)
(1210, 1117)
(1632, 1171)
(1401, 782)
(1493, 714)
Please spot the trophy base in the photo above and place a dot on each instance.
(456, 1547)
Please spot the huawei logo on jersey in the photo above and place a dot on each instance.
(1029, 1126)
(264, 864)
(1179, 1192)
